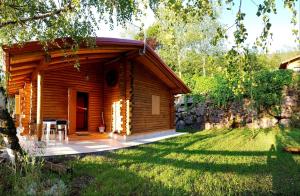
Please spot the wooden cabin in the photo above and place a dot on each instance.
(292, 64)
(123, 79)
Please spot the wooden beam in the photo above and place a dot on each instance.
(43, 65)
(27, 57)
(39, 113)
(23, 79)
(21, 72)
(17, 83)
(38, 56)
(22, 66)
(62, 65)
(85, 57)
(16, 77)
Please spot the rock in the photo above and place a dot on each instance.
(267, 122)
(184, 115)
(181, 109)
(179, 100)
(199, 119)
(4, 156)
(180, 125)
(207, 126)
(285, 122)
(189, 120)
(200, 111)
(193, 111)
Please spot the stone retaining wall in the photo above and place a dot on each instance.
(200, 116)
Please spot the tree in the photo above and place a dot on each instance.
(23, 20)
(183, 43)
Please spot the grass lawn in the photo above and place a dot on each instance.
(214, 162)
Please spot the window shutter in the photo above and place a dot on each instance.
(155, 105)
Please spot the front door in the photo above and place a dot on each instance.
(82, 112)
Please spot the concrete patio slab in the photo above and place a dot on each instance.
(97, 145)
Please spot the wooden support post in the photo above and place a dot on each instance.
(172, 111)
(39, 113)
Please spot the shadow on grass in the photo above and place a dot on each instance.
(285, 170)
(281, 166)
(112, 180)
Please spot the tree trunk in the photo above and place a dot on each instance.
(8, 128)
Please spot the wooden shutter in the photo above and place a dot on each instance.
(155, 105)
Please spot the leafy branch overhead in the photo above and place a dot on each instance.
(22, 21)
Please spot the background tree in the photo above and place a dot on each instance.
(184, 43)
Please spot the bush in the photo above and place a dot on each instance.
(215, 89)
(29, 179)
(267, 88)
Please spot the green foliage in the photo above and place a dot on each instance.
(30, 179)
(183, 42)
(295, 121)
(246, 75)
(46, 20)
(222, 94)
(267, 88)
(215, 89)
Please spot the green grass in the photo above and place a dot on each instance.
(215, 162)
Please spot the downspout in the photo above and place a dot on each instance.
(142, 52)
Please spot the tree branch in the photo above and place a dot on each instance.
(38, 17)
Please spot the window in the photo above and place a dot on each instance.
(155, 105)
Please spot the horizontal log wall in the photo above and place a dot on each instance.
(55, 92)
(146, 84)
(26, 106)
(111, 95)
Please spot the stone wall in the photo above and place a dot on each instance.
(200, 116)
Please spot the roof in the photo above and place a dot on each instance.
(23, 62)
(285, 63)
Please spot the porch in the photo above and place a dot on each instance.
(92, 143)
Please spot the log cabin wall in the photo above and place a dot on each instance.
(55, 93)
(128, 96)
(24, 94)
(33, 108)
(125, 85)
(25, 103)
(111, 95)
(146, 84)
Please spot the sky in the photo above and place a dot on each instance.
(283, 40)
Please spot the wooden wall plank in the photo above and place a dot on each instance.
(56, 85)
(145, 85)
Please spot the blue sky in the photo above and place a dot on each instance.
(283, 40)
(281, 28)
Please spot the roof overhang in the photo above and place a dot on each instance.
(284, 64)
(23, 62)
